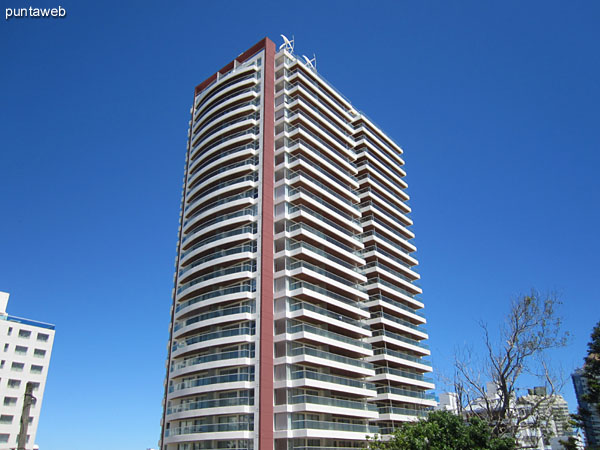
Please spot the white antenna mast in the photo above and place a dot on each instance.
(312, 63)
(289, 45)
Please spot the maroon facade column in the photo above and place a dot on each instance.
(265, 432)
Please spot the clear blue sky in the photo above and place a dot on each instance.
(495, 103)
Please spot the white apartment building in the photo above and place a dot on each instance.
(25, 348)
(296, 321)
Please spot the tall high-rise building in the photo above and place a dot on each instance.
(25, 351)
(296, 321)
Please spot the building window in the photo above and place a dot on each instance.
(39, 353)
(14, 383)
(25, 334)
(36, 369)
(5, 347)
(9, 332)
(6, 419)
(17, 367)
(42, 337)
(20, 350)
(10, 401)
(35, 386)
(3, 438)
(2, 364)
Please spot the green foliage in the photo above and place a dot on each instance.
(592, 368)
(444, 431)
(570, 444)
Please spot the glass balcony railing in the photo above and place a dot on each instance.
(375, 248)
(313, 109)
(291, 209)
(405, 392)
(400, 338)
(244, 212)
(334, 402)
(250, 229)
(295, 284)
(293, 226)
(401, 355)
(253, 116)
(250, 132)
(395, 303)
(239, 309)
(193, 182)
(334, 426)
(375, 169)
(246, 267)
(290, 175)
(250, 193)
(316, 198)
(217, 379)
(291, 115)
(395, 319)
(404, 220)
(245, 248)
(211, 357)
(292, 128)
(393, 287)
(221, 88)
(402, 411)
(297, 351)
(226, 111)
(383, 266)
(300, 157)
(213, 403)
(402, 373)
(241, 331)
(295, 305)
(291, 244)
(238, 288)
(344, 381)
(216, 187)
(295, 327)
(368, 234)
(211, 428)
(294, 264)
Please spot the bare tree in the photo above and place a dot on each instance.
(487, 384)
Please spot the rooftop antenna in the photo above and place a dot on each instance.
(312, 63)
(289, 45)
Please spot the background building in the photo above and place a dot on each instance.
(296, 321)
(25, 348)
(591, 423)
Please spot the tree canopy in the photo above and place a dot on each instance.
(591, 369)
(443, 430)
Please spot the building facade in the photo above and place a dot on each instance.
(296, 320)
(26, 346)
(591, 422)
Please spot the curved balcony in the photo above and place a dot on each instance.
(223, 206)
(224, 221)
(198, 361)
(233, 254)
(243, 233)
(217, 191)
(218, 135)
(241, 291)
(227, 115)
(210, 404)
(223, 92)
(209, 428)
(212, 380)
(329, 359)
(238, 268)
(241, 172)
(332, 316)
(228, 141)
(209, 164)
(226, 81)
(228, 336)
